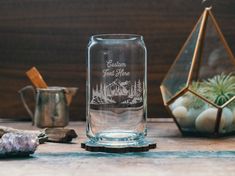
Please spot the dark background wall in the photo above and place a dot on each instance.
(52, 35)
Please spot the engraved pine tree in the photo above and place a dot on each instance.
(124, 92)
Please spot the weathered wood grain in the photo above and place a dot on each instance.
(174, 154)
(53, 34)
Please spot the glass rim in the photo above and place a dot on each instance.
(52, 89)
(104, 37)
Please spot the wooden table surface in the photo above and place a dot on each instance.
(175, 155)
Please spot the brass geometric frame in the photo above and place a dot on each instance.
(198, 54)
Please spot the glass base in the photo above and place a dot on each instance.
(118, 139)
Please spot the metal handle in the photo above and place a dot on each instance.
(21, 92)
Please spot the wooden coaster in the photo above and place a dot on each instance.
(146, 146)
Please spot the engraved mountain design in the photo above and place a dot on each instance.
(118, 92)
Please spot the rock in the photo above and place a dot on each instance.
(182, 117)
(193, 114)
(41, 135)
(61, 135)
(206, 120)
(228, 115)
(178, 102)
(180, 112)
(17, 143)
(234, 118)
(181, 101)
(186, 101)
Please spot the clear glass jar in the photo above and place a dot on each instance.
(116, 89)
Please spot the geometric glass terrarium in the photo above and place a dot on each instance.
(199, 89)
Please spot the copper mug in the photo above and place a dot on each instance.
(51, 107)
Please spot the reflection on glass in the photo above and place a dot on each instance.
(203, 105)
(177, 76)
(116, 89)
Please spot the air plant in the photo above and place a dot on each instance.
(194, 101)
(220, 88)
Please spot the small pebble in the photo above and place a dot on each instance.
(181, 115)
(207, 119)
(178, 102)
